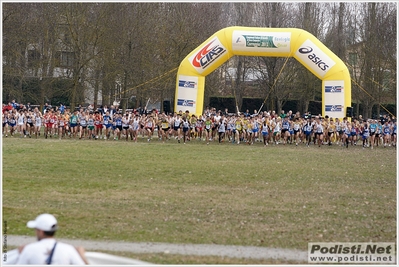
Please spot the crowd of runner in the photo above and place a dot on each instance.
(267, 127)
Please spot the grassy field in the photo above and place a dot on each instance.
(275, 196)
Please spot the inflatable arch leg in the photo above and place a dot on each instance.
(271, 42)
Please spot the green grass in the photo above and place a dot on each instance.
(275, 196)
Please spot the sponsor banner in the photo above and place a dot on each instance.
(339, 253)
(334, 108)
(207, 55)
(185, 102)
(333, 89)
(188, 87)
(315, 58)
(334, 98)
(187, 84)
(187, 93)
(261, 41)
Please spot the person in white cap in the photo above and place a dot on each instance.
(47, 250)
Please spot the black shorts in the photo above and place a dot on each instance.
(340, 132)
(165, 129)
(119, 127)
(372, 133)
(185, 129)
(296, 131)
(176, 128)
(330, 133)
(283, 131)
(317, 134)
(125, 127)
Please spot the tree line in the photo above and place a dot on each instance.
(67, 52)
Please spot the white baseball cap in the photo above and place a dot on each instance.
(44, 222)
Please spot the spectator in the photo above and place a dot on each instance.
(384, 119)
(45, 108)
(290, 115)
(226, 112)
(47, 250)
(90, 108)
(7, 107)
(101, 110)
(105, 109)
(14, 104)
(62, 109)
(207, 111)
(112, 111)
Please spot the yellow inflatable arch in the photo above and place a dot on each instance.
(271, 42)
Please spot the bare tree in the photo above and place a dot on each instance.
(376, 54)
(182, 28)
(83, 35)
(32, 30)
(335, 36)
(241, 14)
(275, 76)
(85, 51)
(310, 18)
(16, 37)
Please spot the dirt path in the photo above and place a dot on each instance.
(182, 249)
